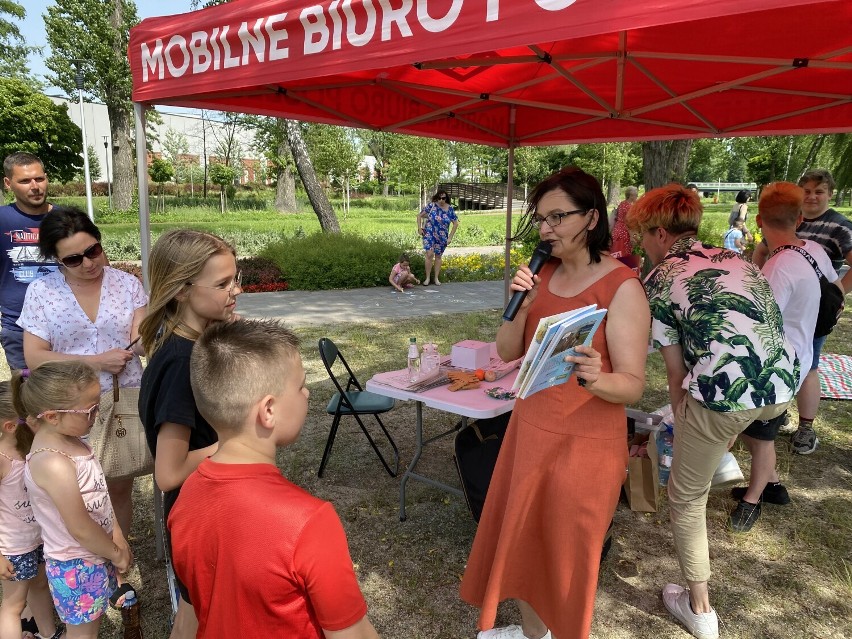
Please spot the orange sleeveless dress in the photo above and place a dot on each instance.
(554, 490)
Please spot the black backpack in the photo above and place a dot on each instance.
(831, 300)
(476, 450)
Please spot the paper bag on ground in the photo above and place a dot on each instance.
(642, 485)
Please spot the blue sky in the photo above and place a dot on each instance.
(32, 28)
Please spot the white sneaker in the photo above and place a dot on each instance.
(508, 632)
(704, 625)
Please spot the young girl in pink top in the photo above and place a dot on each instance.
(401, 276)
(22, 563)
(83, 544)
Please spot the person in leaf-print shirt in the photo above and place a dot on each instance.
(720, 332)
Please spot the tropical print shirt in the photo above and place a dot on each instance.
(721, 311)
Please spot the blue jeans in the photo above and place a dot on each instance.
(12, 341)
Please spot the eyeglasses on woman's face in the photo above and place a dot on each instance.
(90, 413)
(91, 253)
(228, 286)
(555, 219)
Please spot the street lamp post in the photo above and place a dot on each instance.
(109, 182)
(78, 79)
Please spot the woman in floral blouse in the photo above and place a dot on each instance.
(85, 311)
(433, 224)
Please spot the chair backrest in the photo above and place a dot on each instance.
(330, 354)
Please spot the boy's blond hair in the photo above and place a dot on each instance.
(780, 205)
(672, 207)
(235, 364)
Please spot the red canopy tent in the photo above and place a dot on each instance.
(507, 72)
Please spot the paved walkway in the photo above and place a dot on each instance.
(371, 304)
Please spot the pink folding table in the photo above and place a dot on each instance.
(468, 404)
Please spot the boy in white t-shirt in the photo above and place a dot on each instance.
(797, 291)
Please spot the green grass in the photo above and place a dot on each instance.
(389, 222)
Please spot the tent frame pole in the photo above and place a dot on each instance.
(142, 183)
(510, 193)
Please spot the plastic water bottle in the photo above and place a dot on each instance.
(131, 618)
(413, 360)
(665, 447)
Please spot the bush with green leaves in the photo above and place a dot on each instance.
(324, 261)
(330, 261)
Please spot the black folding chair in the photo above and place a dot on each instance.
(355, 401)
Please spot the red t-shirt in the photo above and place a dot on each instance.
(260, 556)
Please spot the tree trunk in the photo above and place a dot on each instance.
(614, 193)
(285, 190)
(123, 169)
(123, 166)
(319, 201)
(665, 161)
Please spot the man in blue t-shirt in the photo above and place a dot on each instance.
(20, 259)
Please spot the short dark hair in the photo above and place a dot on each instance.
(438, 195)
(235, 364)
(820, 176)
(61, 223)
(743, 196)
(20, 158)
(586, 192)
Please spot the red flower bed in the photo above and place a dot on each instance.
(261, 275)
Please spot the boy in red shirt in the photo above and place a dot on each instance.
(260, 556)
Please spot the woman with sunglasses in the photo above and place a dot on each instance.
(433, 224)
(562, 462)
(85, 311)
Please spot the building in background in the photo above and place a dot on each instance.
(207, 138)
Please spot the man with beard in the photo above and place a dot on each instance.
(20, 260)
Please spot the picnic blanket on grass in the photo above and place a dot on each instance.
(835, 376)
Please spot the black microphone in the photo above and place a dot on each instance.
(539, 257)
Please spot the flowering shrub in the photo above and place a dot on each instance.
(476, 267)
(261, 275)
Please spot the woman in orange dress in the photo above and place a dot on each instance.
(564, 458)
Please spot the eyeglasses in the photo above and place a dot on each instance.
(93, 252)
(555, 219)
(443, 197)
(237, 283)
(88, 412)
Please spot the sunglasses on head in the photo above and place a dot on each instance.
(93, 252)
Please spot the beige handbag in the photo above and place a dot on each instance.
(118, 437)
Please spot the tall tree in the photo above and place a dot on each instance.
(31, 122)
(316, 195)
(419, 162)
(335, 153)
(14, 50)
(665, 161)
(96, 32)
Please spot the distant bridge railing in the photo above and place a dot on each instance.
(726, 187)
(478, 196)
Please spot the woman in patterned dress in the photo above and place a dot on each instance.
(85, 311)
(433, 224)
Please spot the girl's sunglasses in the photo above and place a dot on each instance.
(93, 252)
(90, 413)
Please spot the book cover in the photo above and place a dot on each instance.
(559, 341)
(545, 329)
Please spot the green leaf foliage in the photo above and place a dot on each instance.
(31, 122)
(82, 30)
(330, 260)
